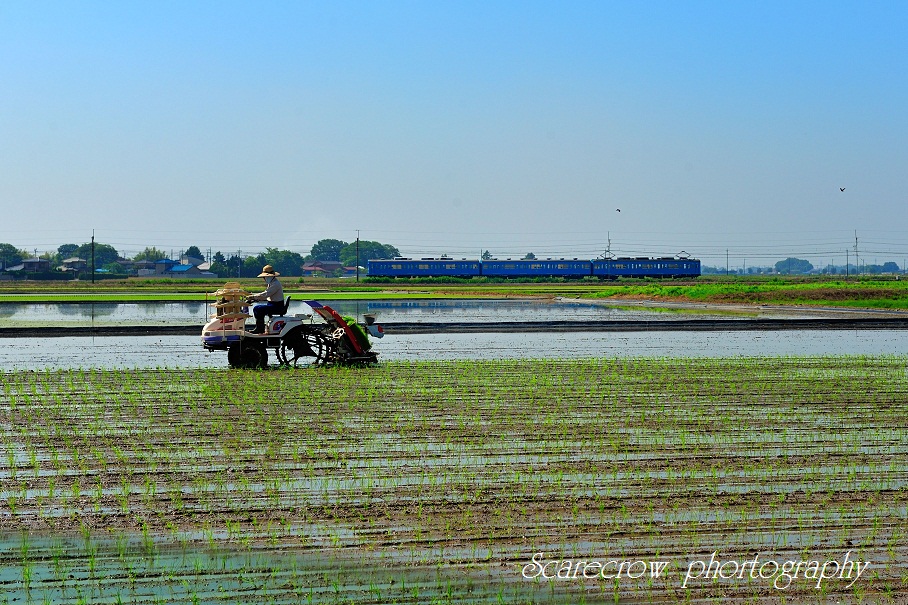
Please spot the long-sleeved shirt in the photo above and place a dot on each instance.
(274, 292)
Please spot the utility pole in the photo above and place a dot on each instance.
(847, 260)
(726, 261)
(92, 256)
(357, 255)
(857, 263)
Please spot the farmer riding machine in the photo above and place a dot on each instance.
(322, 337)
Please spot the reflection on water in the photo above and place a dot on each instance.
(187, 352)
(102, 314)
(90, 310)
(424, 310)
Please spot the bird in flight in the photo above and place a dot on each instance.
(841, 189)
(617, 209)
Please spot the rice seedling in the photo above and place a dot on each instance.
(448, 476)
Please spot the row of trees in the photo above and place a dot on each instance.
(285, 262)
(799, 266)
(346, 252)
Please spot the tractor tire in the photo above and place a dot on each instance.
(247, 356)
(311, 347)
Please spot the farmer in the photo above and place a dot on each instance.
(273, 295)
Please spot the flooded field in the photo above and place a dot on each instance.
(458, 482)
(465, 468)
(428, 310)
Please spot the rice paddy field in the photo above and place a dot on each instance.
(499, 481)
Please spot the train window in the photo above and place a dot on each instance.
(536, 266)
(562, 266)
(450, 266)
(423, 267)
(510, 266)
(397, 267)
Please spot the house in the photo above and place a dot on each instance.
(321, 268)
(187, 272)
(191, 260)
(163, 266)
(75, 264)
(144, 268)
(126, 264)
(35, 265)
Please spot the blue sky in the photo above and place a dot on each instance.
(460, 126)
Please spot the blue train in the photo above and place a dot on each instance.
(664, 267)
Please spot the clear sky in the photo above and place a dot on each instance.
(450, 127)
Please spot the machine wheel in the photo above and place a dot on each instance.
(247, 356)
(309, 346)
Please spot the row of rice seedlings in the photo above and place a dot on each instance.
(462, 435)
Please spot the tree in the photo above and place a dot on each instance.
(284, 262)
(10, 255)
(232, 267)
(891, 267)
(219, 265)
(52, 257)
(486, 255)
(793, 265)
(326, 249)
(194, 252)
(529, 256)
(104, 254)
(67, 250)
(252, 265)
(151, 254)
(367, 250)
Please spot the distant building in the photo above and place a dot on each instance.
(35, 265)
(322, 268)
(75, 264)
(188, 271)
(144, 268)
(191, 260)
(163, 266)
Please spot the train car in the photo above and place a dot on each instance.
(424, 267)
(536, 268)
(664, 267)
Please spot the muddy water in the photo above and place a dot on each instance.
(429, 310)
(186, 351)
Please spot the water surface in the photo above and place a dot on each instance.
(187, 352)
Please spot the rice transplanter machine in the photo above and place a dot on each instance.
(322, 337)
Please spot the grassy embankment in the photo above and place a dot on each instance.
(438, 481)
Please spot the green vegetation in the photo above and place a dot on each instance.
(890, 294)
(438, 481)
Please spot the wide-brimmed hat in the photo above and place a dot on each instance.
(268, 271)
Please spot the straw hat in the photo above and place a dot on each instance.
(268, 271)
